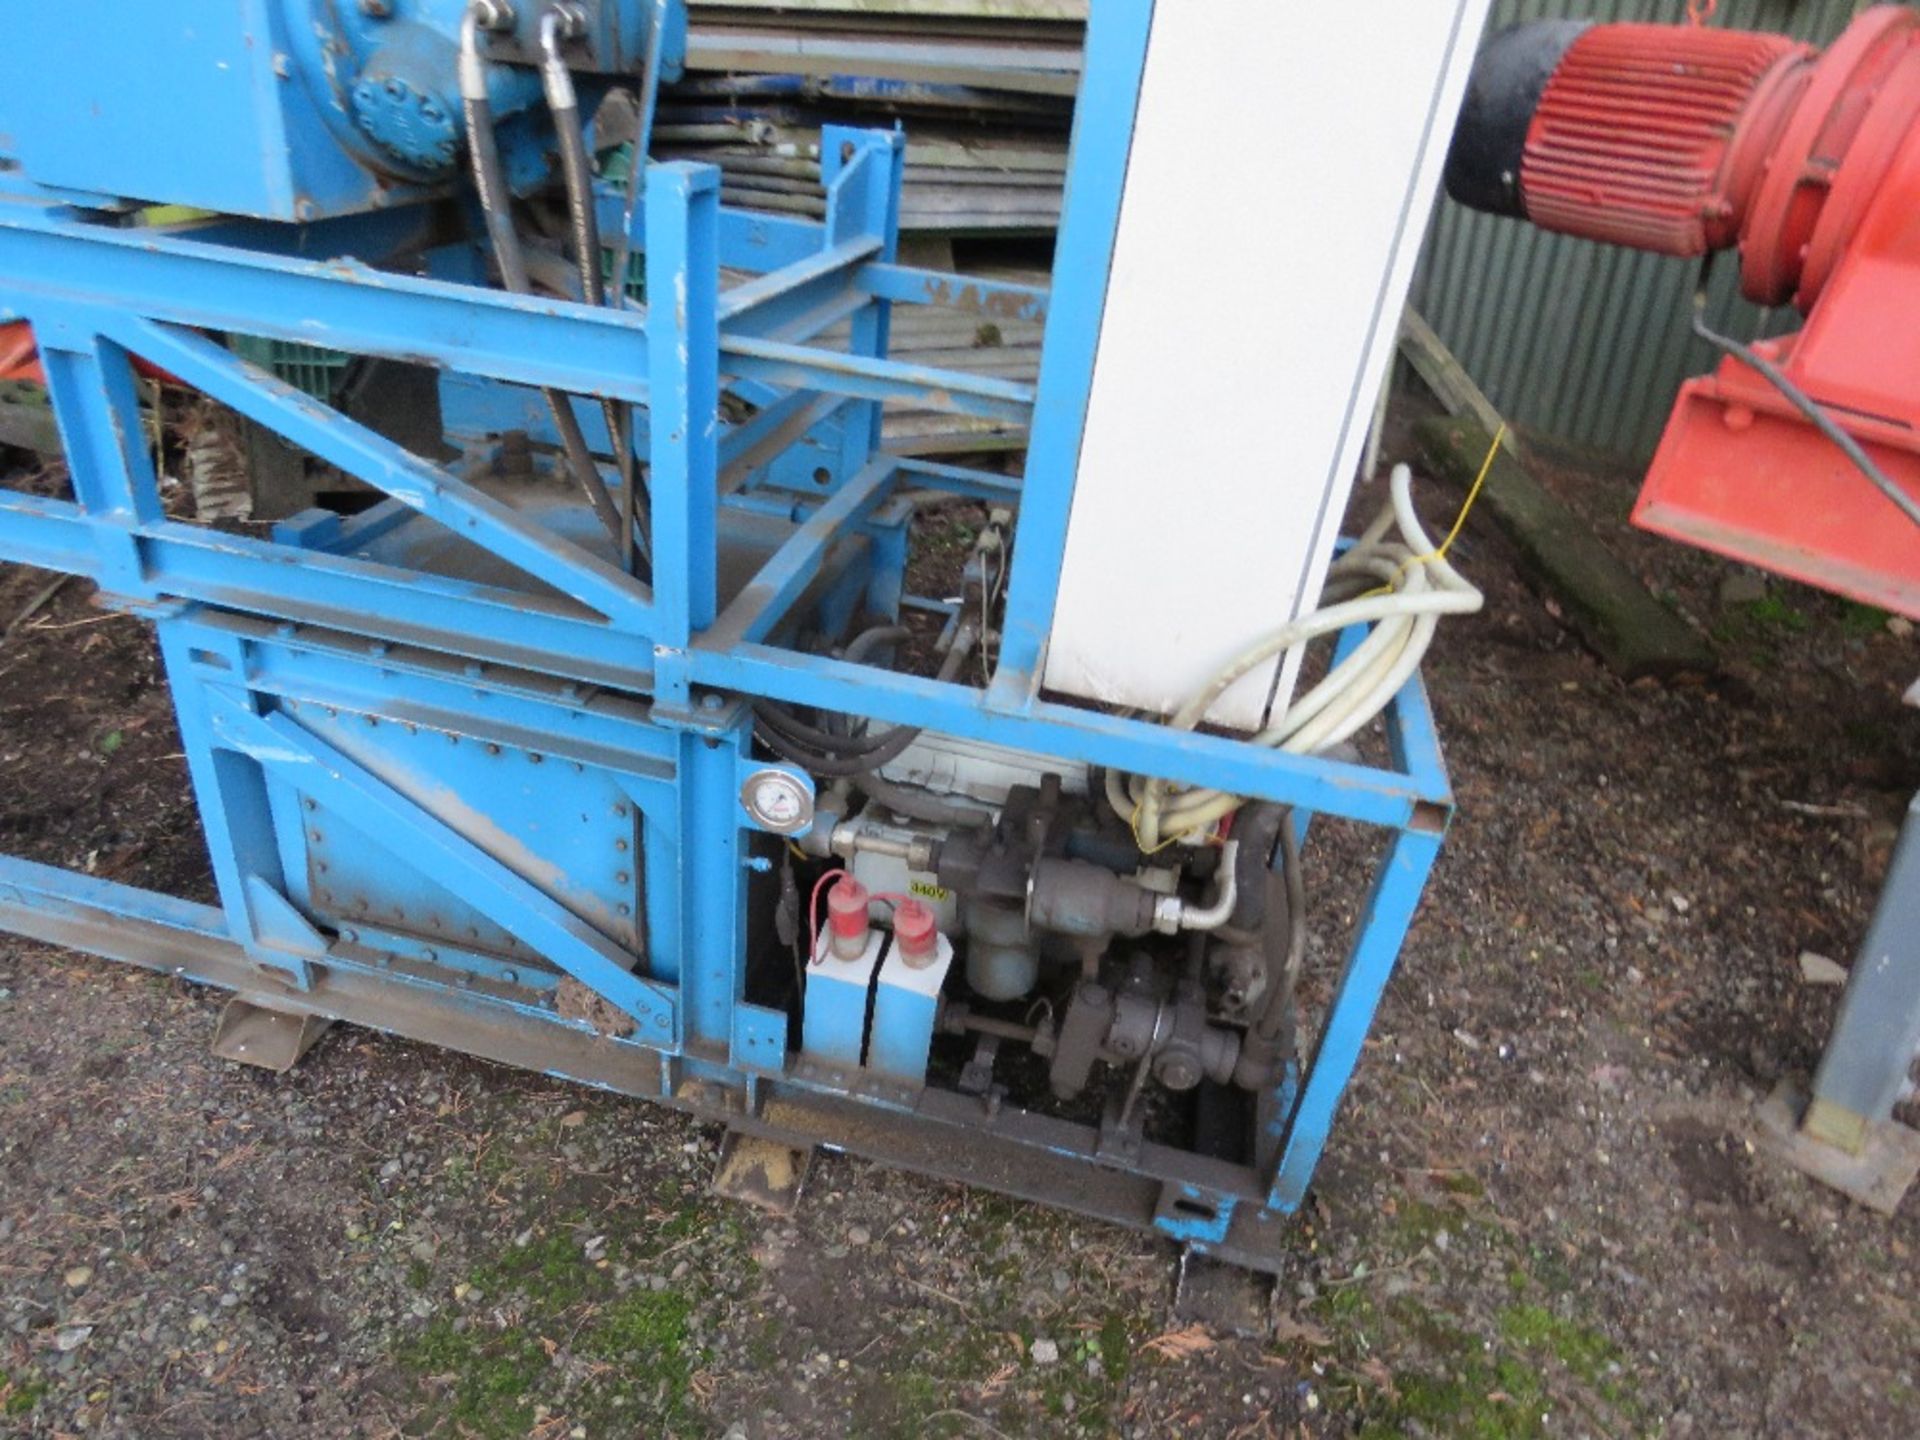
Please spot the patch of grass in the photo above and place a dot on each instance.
(1483, 1400)
(1862, 620)
(1417, 1223)
(1584, 1351)
(646, 1335)
(18, 1396)
(1775, 613)
(559, 1309)
(488, 1377)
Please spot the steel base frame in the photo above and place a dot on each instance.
(315, 673)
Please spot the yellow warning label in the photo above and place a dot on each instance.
(926, 889)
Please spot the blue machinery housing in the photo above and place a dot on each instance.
(452, 756)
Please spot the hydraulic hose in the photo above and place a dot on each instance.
(1400, 587)
(489, 180)
(557, 81)
(1273, 1014)
(782, 733)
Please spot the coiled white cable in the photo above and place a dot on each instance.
(1409, 584)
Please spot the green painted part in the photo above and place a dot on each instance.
(1583, 342)
(309, 368)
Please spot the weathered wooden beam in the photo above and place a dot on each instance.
(1633, 632)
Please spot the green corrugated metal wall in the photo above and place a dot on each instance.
(1586, 342)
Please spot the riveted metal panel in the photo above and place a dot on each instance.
(1585, 342)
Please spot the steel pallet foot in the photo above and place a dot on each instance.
(271, 1039)
(1878, 1175)
(762, 1172)
(1222, 1296)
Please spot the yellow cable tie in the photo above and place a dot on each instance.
(1473, 494)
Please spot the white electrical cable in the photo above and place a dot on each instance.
(1400, 587)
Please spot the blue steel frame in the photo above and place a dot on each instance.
(639, 688)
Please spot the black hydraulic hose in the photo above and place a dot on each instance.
(777, 730)
(830, 742)
(870, 640)
(1274, 1013)
(577, 171)
(1816, 414)
(1257, 828)
(490, 184)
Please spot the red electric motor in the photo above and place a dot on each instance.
(1686, 140)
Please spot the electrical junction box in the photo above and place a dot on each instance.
(1229, 414)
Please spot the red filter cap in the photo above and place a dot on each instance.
(914, 929)
(847, 905)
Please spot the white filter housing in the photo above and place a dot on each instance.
(1283, 164)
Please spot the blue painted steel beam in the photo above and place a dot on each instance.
(755, 443)
(1389, 911)
(469, 513)
(777, 587)
(354, 595)
(794, 367)
(1354, 792)
(48, 262)
(994, 299)
(765, 302)
(1102, 141)
(238, 572)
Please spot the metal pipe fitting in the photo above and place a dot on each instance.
(493, 15)
(1213, 916)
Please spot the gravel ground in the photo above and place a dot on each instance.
(1540, 1213)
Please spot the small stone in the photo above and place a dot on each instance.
(72, 1338)
(79, 1277)
(1044, 1352)
(1819, 970)
(390, 1170)
(859, 1235)
(1743, 587)
(1898, 626)
(573, 1119)
(735, 1431)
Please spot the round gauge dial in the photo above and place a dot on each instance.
(777, 801)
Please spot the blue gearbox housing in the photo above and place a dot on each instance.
(320, 107)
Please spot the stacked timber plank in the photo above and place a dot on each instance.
(983, 89)
(984, 92)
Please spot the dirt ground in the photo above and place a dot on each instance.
(1540, 1213)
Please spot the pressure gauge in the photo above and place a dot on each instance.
(777, 801)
